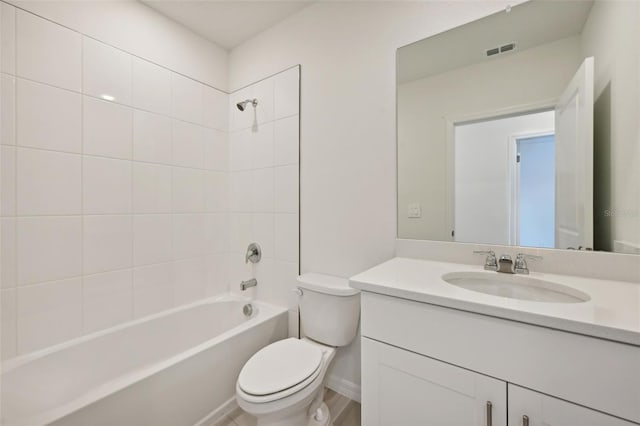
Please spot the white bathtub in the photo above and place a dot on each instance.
(171, 369)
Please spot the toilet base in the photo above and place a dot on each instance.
(322, 417)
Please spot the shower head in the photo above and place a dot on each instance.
(241, 105)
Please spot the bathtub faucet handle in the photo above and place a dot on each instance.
(254, 253)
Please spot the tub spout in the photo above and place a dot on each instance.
(247, 284)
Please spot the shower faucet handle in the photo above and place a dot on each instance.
(254, 253)
(491, 262)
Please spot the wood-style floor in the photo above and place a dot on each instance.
(344, 412)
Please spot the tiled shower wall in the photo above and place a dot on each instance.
(264, 200)
(114, 185)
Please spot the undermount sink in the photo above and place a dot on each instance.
(515, 287)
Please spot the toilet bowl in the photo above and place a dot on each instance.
(283, 383)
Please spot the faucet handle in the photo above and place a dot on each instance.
(491, 263)
(520, 266)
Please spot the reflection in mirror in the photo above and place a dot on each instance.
(523, 128)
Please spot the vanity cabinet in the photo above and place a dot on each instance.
(529, 408)
(403, 388)
(427, 365)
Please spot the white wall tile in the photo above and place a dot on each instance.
(239, 271)
(216, 109)
(151, 239)
(264, 232)
(107, 243)
(216, 274)
(240, 155)
(151, 188)
(264, 273)
(8, 180)
(7, 109)
(107, 129)
(187, 190)
(216, 233)
(187, 101)
(106, 186)
(47, 52)
(106, 72)
(286, 189)
(152, 289)
(8, 327)
(262, 146)
(262, 188)
(151, 137)
(48, 117)
(240, 191)
(216, 150)
(107, 300)
(285, 141)
(7, 252)
(187, 145)
(188, 280)
(217, 191)
(7, 38)
(286, 93)
(294, 323)
(188, 236)
(49, 248)
(48, 183)
(49, 313)
(241, 226)
(286, 237)
(151, 87)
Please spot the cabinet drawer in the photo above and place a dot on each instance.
(591, 372)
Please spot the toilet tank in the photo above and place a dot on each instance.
(329, 309)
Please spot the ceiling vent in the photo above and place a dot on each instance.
(501, 49)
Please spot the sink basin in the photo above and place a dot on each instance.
(515, 287)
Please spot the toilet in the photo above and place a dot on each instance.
(283, 383)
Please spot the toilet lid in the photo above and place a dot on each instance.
(279, 366)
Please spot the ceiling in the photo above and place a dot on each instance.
(227, 23)
(530, 24)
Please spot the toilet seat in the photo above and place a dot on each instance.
(279, 370)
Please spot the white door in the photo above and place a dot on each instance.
(543, 410)
(574, 161)
(402, 388)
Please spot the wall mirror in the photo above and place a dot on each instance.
(522, 128)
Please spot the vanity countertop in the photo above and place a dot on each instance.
(613, 312)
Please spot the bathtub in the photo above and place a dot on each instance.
(175, 368)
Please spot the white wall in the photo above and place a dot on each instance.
(347, 146)
(110, 210)
(484, 176)
(425, 105)
(612, 35)
(141, 31)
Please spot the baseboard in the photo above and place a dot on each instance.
(344, 387)
(218, 413)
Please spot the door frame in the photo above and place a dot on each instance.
(453, 120)
(514, 179)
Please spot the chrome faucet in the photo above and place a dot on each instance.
(520, 266)
(505, 264)
(490, 263)
(254, 253)
(248, 284)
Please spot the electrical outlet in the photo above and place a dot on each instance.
(414, 210)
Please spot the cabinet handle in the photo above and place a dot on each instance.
(489, 413)
(525, 420)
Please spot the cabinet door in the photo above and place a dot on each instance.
(543, 410)
(402, 388)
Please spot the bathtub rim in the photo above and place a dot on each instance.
(266, 311)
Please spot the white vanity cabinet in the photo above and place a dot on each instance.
(428, 365)
(529, 408)
(403, 388)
